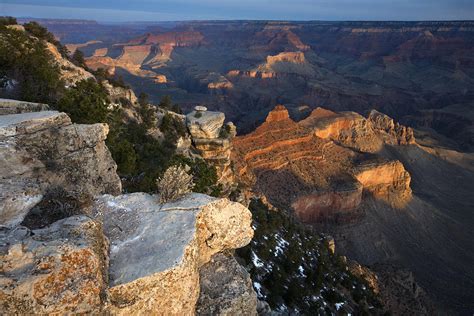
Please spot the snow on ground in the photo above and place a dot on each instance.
(339, 305)
(257, 262)
(258, 287)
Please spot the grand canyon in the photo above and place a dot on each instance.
(342, 157)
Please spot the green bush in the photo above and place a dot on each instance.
(41, 32)
(172, 127)
(29, 64)
(205, 175)
(86, 103)
(166, 103)
(7, 20)
(77, 59)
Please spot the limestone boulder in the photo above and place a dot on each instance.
(41, 151)
(156, 250)
(226, 288)
(61, 269)
(205, 124)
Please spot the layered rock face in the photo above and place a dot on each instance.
(299, 166)
(348, 128)
(142, 55)
(282, 65)
(385, 179)
(391, 132)
(212, 140)
(44, 151)
(355, 131)
(8, 106)
(289, 57)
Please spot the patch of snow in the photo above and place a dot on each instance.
(301, 270)
(257, 262)
(258, 287)
(281, 244)
(339, 305)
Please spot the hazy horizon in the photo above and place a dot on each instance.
(284, 10)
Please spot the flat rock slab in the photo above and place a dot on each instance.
(8, 106)
(14, 124)
(147, 237)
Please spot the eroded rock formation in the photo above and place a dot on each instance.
(212, 140)
(44, 151)
(311, 166)
(70, 73)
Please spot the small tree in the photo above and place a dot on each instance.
(7, 20)
(166, 103)
(78, 59)
(175, 183)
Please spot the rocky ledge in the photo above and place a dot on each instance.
(41, 152)
(153, 264)
(124, 254)
(156, 250)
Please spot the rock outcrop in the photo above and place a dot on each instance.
(212, 140)
(44, 151)
(355, 131)
(58, 269)
(287, 57)
(390, 131)
(300, 166)
(386, 179)
(347, 128)
(70, 73)
(123, 255)
(156, 250)
(226, 288)
(153, 265)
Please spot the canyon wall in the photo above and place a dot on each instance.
(317, 166)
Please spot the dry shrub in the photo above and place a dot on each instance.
(175, 183)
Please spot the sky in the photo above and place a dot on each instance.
(175, 10)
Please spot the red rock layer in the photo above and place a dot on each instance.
(318, 179)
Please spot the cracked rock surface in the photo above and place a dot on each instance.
(156, 250)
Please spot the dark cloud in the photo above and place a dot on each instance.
(244, 9)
